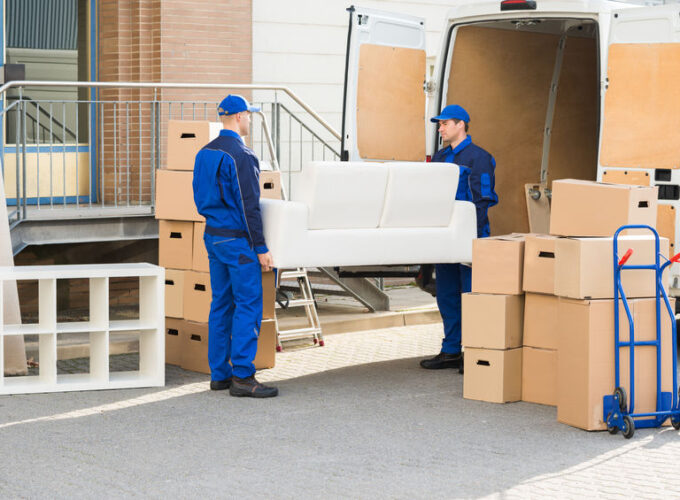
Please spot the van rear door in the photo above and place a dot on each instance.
(384, 99)
(641, 119)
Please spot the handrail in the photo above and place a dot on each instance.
(151, 85)
(43, 112)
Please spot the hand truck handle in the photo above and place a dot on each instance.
(676, 258)
(626, 256)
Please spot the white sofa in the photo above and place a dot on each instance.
(356, 214)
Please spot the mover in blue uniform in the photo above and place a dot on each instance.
(227, 193)
(476, 184)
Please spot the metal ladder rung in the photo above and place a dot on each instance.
(292, 274)
(307, 301)
(300, 302)
(299, 332)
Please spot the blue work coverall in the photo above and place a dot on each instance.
(227, 193)
(476, 184)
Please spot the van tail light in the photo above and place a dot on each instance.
(518, 5)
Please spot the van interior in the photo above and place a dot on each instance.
(502, 73)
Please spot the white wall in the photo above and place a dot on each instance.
(301, 44)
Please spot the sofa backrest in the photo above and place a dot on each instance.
(342, 195)
(361, 195)
(419, 194)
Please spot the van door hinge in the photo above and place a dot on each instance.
(429, 87)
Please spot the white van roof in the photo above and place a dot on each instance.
(475, 8)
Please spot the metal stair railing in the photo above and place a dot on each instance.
(125, 145)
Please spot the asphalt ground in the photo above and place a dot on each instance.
(357, 418)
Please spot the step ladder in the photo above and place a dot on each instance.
(313, 329)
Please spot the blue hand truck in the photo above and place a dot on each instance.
(617, 412)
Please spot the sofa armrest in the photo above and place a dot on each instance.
(285, 227)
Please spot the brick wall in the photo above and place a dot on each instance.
(163, 41)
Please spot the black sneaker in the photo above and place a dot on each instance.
(251, 388)
(443, 360)
(220, 385)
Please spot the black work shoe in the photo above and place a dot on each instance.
(220, 385)
(443, 360)
(251, 388)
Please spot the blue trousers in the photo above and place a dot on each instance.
(452, 280)
(236, 307)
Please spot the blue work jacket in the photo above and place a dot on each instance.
(227, 189)
(477, 168)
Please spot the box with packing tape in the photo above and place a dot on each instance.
(586, 208)
(497, 264)
(185, 139)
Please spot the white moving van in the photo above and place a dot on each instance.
(555, 89)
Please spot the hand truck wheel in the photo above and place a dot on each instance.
(675, 422)
(611, 429)
(620, 394)
(628, 427)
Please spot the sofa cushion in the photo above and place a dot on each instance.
(420, 194)
(342, 195)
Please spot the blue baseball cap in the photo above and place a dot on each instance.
(452, 111)
(234, 103)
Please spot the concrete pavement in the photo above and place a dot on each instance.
(355, 419)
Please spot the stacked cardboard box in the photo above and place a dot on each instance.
(183, 254)
(492, 320)
(586, 215)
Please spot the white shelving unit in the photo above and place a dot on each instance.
(149, 328)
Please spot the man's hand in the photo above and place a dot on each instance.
(266, 261)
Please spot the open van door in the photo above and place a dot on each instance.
(384, 99)
(641, 120)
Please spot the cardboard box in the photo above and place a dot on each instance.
(539, 263)
(539, 376)
(175, 244)
(584, 267)
(185, 139)
(540, 320)
(174, 332)
(586, 358)
(493, 375)
(586, 208)
(174, 293)
(200, 260)
(266, 345)
(270, 185)
(195, 347)
(268, 295)
(197, 296)
(492, 321)
(497, 264)
(175, 196)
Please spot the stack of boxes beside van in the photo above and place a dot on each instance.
(183, 254)
(568, 323)
(492, 320)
